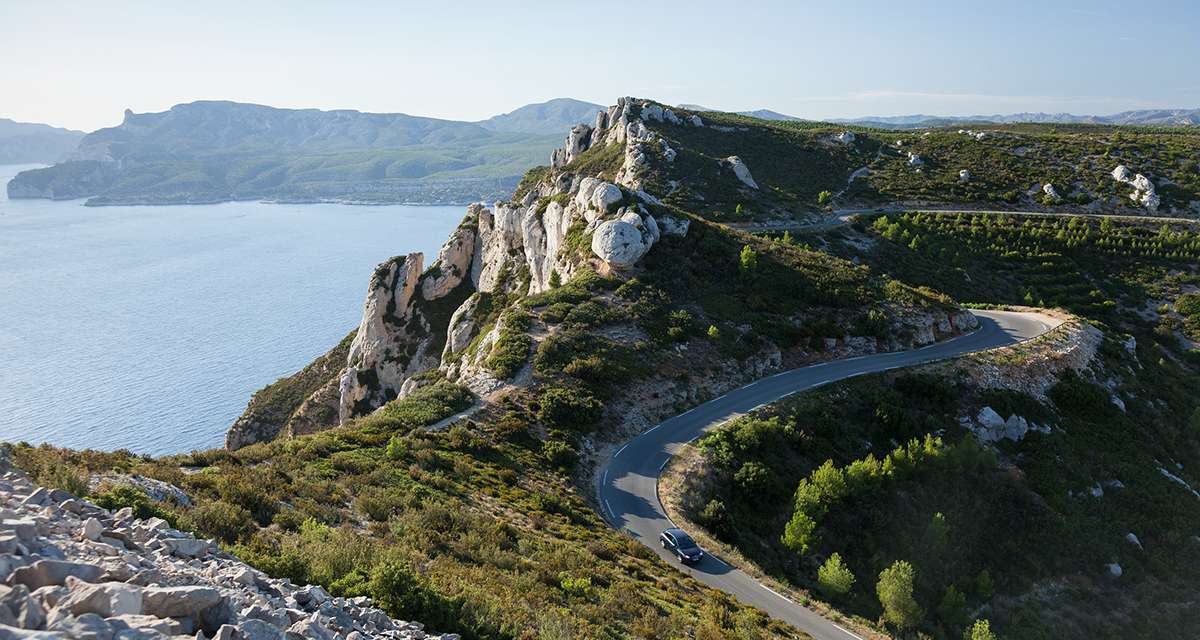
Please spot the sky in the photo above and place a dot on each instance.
(80, 65)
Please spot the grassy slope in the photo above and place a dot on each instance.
(494, 543)
(793, 162)
(1045, 549)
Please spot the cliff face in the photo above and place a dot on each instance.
(418, 320)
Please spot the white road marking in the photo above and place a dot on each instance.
(605, 480)
(774, 592)
(660, 467)
(846, 631)
(610, 509)
(620, 450)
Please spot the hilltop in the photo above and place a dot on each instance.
(26, 143)
(211, 151)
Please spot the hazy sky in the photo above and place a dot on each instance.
(81, 64)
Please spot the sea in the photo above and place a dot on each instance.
(148, 328)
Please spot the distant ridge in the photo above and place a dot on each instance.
(550, 117)
(215, 150)
(762, 114)
(30, 143)
(1153, 117)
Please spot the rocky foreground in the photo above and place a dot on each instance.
(71, 569)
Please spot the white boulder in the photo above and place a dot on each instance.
(606, 194)
(619, 243)
(1121, 173)
(652, 112)
(964, 175)
(673, 226)
(741, 171)
(92, 529)
(845, 137)
(1049, 190)
(1132, 539)
(914, 160)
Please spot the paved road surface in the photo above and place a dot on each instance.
(628, 488)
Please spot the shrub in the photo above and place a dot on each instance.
(585, 315)
(984, 585)
(953, 608)
(895, 591)
(798, 533)
(219, 519)
(559, 454)
(73, 480)
(834, 578)
(575, 586)
(747, 261)
(715, 517)
(981, 630)
(398, 591)
(753, 480)
(123, 495)
(427, 405)
(568, 408)
(511, 350)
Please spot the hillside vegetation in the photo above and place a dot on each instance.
(1025, 533)
(795, 162)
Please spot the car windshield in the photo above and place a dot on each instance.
(683, 540)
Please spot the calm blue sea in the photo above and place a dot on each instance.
(148, 328)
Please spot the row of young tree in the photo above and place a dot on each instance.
(830, 485)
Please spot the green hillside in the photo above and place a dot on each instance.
(882, 469)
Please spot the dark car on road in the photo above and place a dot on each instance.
(681, 544)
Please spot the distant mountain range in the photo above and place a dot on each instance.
(27, 143)
(1153, 117)
(212, 151)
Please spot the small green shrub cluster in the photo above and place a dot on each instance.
(511, 349)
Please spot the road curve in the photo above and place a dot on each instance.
(628, 489)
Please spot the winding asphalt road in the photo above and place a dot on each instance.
(628, 487)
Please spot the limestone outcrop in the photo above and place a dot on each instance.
(740, 170)
(379, 361)
(1144, 193)
(71, 569)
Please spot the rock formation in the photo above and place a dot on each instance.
(73, 570)
(740, 170)
(1143, 193)
(416, 321)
